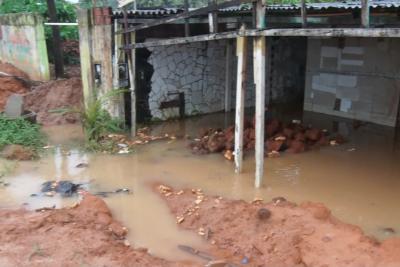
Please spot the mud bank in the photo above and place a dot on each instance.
(53, 95)
(279, 233)
(84, 235)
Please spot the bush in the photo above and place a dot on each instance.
(20, 132)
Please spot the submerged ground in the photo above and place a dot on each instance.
(358, 181)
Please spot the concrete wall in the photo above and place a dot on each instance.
(356, 78)
(23, 44)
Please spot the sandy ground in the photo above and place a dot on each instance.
(290, 235)
(85, 235)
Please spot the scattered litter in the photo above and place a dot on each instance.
(82, 165)
(245, 260)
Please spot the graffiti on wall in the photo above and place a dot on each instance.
(16, 46)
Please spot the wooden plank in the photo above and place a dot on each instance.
(303, 11)
(241, 52)
(185, 15)
(259, 78)
(57, 44)
(213, 17)
(116, 61)
(228, 77)
(365, 13)
(187, 25)
(261, 22)
(337, 32)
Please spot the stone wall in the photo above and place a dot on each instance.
(23, 44)
(198, 70)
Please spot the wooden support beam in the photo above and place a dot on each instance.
(131, 56)
(365, 13)
(116, 61)
(187, 25)
(132, 81)
(303, 11)
(228, 77)
(259, 78)
(57, 44)
(85, 43)
(213, 17)
(336, 32)
(185, 15)
(261, 22)
(241, 52)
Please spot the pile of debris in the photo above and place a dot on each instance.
(292, 137)
(121, 144)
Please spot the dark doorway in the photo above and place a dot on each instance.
(144, 72)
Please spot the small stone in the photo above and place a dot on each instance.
(126, 243)
(245, 260)
(179, 220)
(198, 201)
(263, 214)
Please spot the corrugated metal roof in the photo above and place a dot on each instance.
(311, 6)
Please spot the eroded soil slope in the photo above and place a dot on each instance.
(85, 235)
(279, 233)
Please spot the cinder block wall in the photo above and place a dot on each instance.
(23, 44)
(356, 78)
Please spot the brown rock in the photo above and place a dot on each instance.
(296, 147)
(18, 152)
(263, 214)
(313, 134)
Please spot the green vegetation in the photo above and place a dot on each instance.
(20, 132)
(66, 12)
(96, 121)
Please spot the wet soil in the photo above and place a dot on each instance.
(278, 233)
(43, 98)
(83, 235)
(54, 95)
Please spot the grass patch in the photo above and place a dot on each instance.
(20, 132)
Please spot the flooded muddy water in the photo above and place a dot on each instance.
(359, 181)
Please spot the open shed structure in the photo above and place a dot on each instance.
(339, 58)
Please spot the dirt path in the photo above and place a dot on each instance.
(291, 235)
(85, 235)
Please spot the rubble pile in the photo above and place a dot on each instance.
(280, 137)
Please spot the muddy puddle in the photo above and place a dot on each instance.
(359, 181)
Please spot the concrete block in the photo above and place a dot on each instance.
(14, 106)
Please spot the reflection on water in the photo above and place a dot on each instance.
(359, 181)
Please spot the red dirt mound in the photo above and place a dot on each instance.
(9, 86)
(13, 71)
(85, 235)
(279, 233)
(53, 95)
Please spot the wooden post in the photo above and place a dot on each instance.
(57, 44)
(187, 25)
(85, 44)
(228, 77)
(213, 17)
(303, 14)
(259, 75)
(131, 55)
(132, 81)
(241, 52)
(116, 60)
(259, 79)
(365, 13)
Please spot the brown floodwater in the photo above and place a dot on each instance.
(359, 181)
